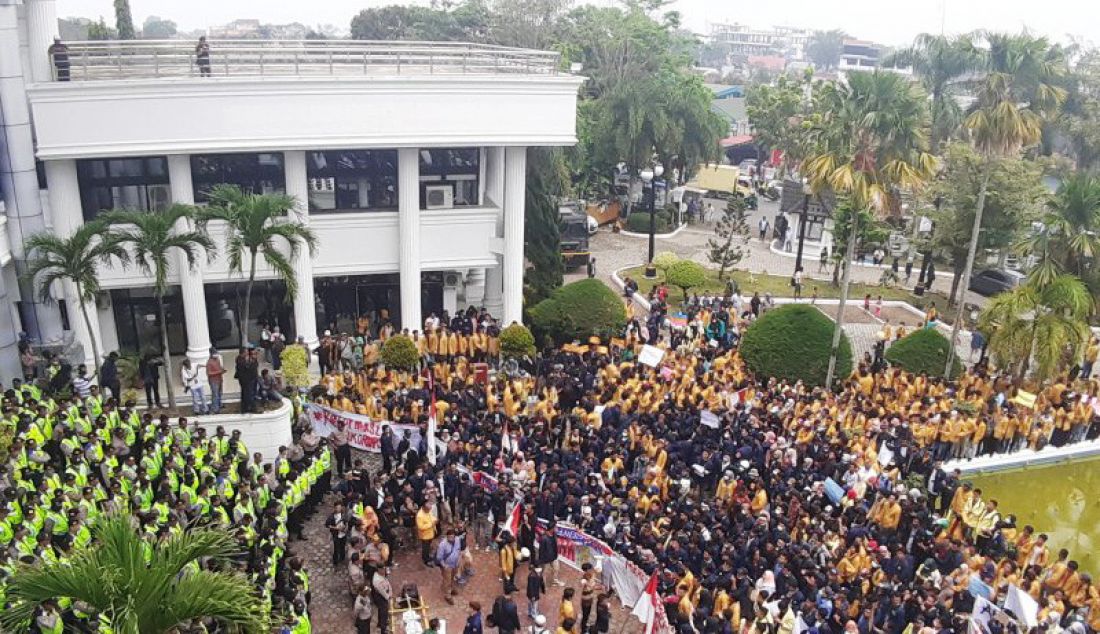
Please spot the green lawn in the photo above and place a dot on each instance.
(780, 286)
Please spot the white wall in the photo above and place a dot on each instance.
(260, 432)
(165, 116)
(357, 244)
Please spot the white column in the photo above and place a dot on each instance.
(494, 191)
(474, 294)
(305, 307)
(42, 28)
(515, 194)
(18, 179)
(408, 227)
(67, 218)
(192, 286)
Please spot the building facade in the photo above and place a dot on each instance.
(407, 160)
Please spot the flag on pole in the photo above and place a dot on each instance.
(513, 520)
(431, 416)
(645, 608)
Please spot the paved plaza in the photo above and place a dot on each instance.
(615, 251)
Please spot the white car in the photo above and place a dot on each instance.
(593, 225)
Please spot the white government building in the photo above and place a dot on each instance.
(407, 159)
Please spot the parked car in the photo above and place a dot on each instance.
(993, 281)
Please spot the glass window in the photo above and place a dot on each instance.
(261, 173)
(450, 177)
(128, 183)
(137, 320)
(352, 180)
(224, 308)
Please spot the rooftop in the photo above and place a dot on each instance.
(145, 59)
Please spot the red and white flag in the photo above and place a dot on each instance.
(432, 424)
(645, 608)
(513, 520)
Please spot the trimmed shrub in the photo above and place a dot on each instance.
(295, 365)
(792, 343)
(923, 352)
(638, 222)
(686, 275)
(516, 341)
(578, 311)
(665, 259)
(399, 352)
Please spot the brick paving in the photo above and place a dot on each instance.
(331, 606)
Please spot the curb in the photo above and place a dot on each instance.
(659, 236)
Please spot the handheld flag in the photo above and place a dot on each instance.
(513, 520)
(645, 608)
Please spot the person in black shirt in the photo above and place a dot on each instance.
(248, 365)
(202, 56)
(59, 54)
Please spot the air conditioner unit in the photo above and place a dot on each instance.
(439, 197)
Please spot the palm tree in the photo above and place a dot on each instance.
(825, 47)
(153, 237)
(871, 143)
(74, 259)
(1012, 98)
(137, 593)
(1040, 321)
(941, 63)
(255, 224)
(1070, 238)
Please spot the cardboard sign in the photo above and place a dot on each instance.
(651, 356)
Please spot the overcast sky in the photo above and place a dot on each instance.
(885, 21)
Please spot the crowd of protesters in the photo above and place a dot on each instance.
(77, 454)
(799, 509)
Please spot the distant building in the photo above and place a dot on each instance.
(237, 29)
(862, 55)
(745, 40)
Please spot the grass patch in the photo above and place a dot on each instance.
(780, 286)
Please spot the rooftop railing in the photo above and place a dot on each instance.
(144, 59)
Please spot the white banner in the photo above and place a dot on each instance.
(363, 432)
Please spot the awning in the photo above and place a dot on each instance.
(737, 139)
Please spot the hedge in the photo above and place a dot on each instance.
(295, 365)
(578, 311)
(638, 222)
(516, 341)
(399, 353)
(923, 352)
(665, 259)
(686, 275)
(793, 343)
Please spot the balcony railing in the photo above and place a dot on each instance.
(144, 59)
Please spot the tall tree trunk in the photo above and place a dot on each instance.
(957, 270)
(970, 255)
(853, 232)
(91, 334)
(248, 299)
(167, 352)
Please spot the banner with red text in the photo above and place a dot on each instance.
(363, 432)
(576, 548)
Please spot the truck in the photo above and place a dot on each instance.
(719, 181)
(573, 227)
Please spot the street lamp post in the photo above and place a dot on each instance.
(802, 223)
(649, 177)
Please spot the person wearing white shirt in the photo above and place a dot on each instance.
(191, 378)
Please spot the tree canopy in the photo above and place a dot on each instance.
(825, 47)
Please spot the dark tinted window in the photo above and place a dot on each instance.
(261, 173)
(352, 180)
(139, 183)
